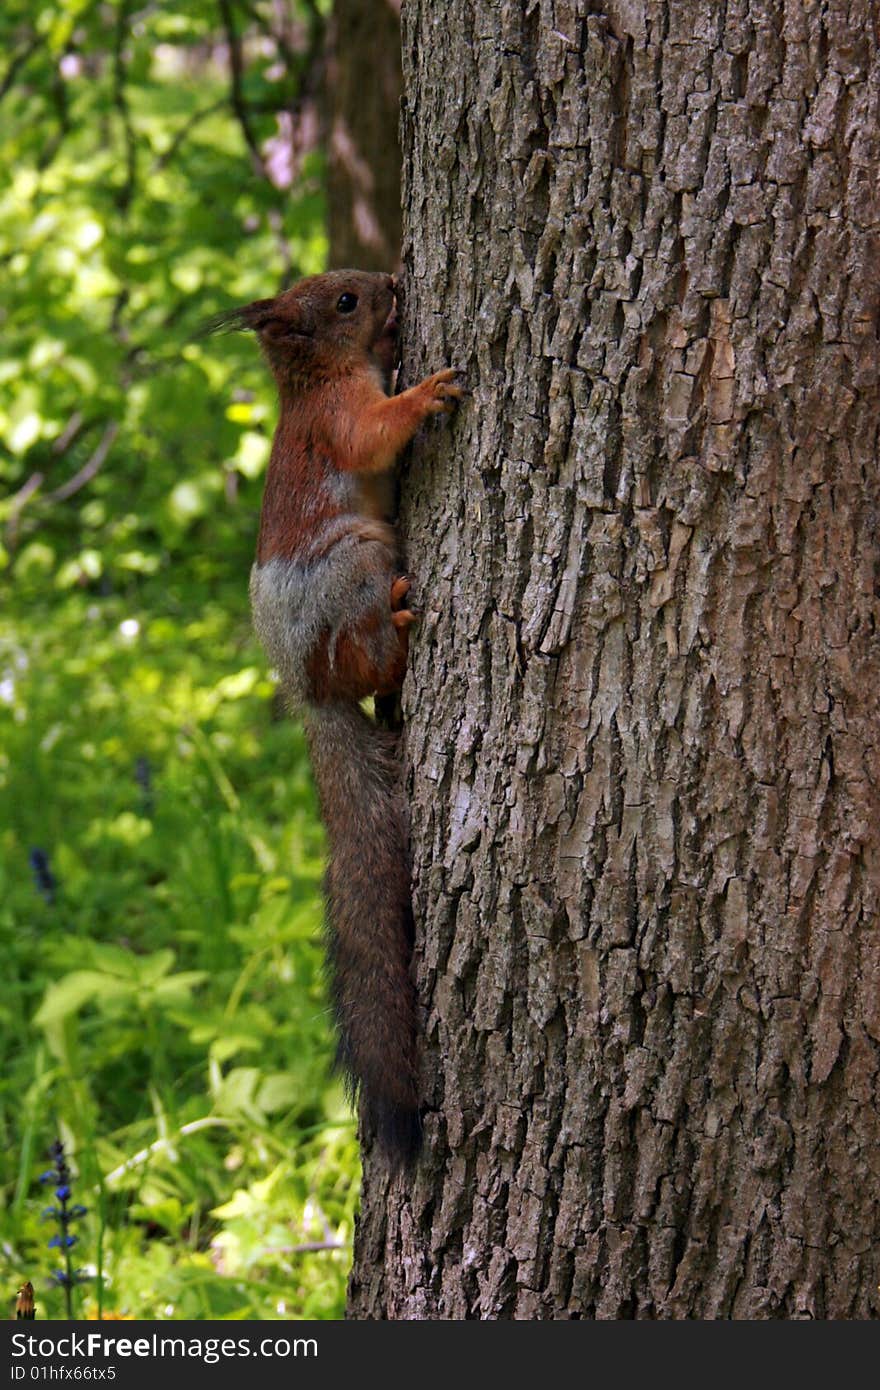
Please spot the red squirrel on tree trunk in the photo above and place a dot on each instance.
(329, 606)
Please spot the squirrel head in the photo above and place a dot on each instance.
(324, 326)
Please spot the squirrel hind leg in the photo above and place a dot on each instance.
(361, 661)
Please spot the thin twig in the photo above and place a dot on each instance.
(163, 1145)
(307, 1248)
(62, 108)
(17, 60)
(314, 60)
(280, 40)
(18, 499)
(163, 160)
(17, 503)
(236, 93)
(69, 433)
(89, 469)
(120, 101)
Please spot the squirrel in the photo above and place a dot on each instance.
(329, 605)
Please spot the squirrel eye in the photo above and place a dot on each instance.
(347, 303)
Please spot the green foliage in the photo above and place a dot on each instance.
(162, 1009)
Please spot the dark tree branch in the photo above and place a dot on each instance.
(17, 61)
(313, 65)
(62, 107)
(120, 101)
(236, 95)
(288, 54)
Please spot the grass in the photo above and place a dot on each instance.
(162, 1005)
(162, 1008)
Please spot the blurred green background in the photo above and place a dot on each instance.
(162, 1005)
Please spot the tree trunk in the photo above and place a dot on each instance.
(643, 703)
(362, 108)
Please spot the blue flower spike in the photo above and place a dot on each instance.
(63, 1215)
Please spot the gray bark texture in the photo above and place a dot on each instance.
(642, 710)
(361, 114)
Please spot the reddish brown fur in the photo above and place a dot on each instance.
(322, 509)
(353, 674)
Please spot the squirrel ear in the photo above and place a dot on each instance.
(273, 317)
(246, 316)
(284, 319)
(258, 314)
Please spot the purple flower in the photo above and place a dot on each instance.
(63, 1215)
(44, 879)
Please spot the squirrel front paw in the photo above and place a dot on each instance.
(400, 587)
(401, 617)
(442, 391)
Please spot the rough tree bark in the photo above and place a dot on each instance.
(642, 708)
(361, 111)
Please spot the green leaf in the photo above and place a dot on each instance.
(279, 1091)
(68, 995)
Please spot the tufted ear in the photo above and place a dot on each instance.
(244, 317)
(275, 319)
(271, 316)
(232, 320)
(256, 315)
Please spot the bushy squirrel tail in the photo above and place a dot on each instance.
(369, 918)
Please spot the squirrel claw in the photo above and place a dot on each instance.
(400, 587)
(443, 390)
(404, 617)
